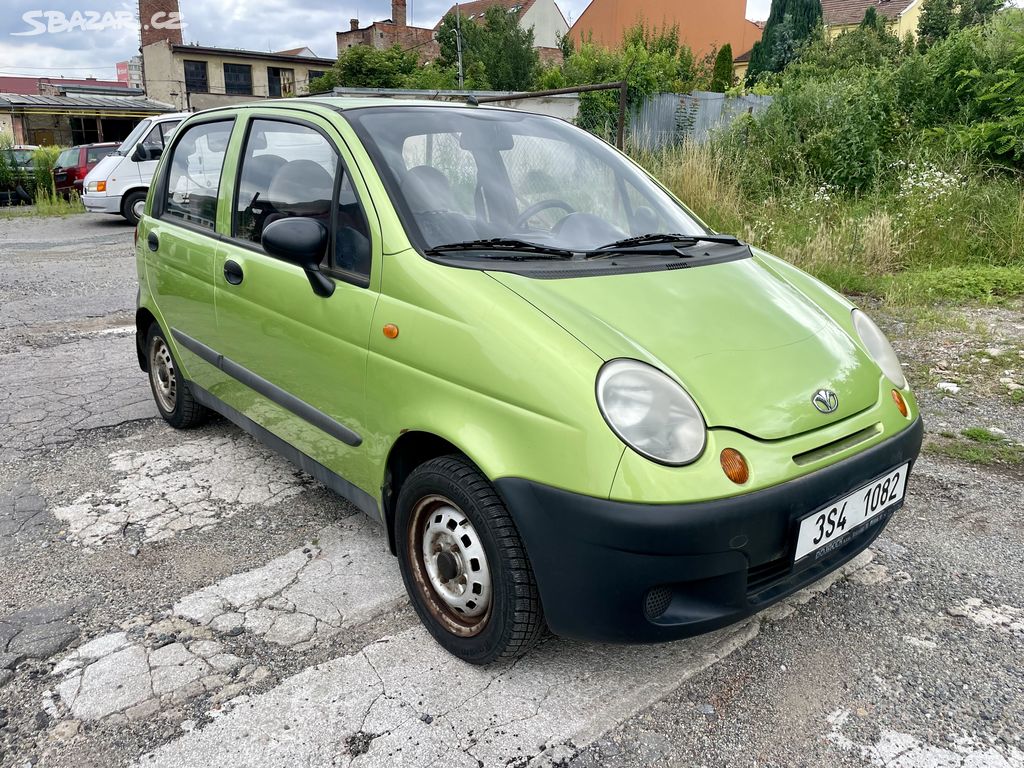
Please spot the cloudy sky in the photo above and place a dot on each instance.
(44, 37)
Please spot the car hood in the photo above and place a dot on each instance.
(749, 347)
(103, 168)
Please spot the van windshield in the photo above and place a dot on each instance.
(459, 175)
(133, 138)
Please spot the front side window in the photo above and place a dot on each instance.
(152, 147)
(462, 175)
(290, 170)
(193, 175)
(238, 79)
(196, 77)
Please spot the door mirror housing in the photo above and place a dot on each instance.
(301, 241)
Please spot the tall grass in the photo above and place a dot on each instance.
(929, 229)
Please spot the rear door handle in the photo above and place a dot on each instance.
(233, 272)
(153, 241)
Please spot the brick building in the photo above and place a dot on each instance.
(543, 16)
(389, 32)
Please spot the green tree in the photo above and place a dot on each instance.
(935, 23)
(364, 67)
(497, 43)
(791, 23)
(721, 78)
(974, 12)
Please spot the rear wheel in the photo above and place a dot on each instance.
(170, 391)
(133, 205)
(464, 565)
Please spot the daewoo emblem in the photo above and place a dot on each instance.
(825, 400)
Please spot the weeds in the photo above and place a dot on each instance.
(978, 445)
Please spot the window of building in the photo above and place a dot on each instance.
(193, 176)
(238, 79)
(196, 77)
(280, 82)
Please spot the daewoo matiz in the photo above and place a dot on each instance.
(571, 404)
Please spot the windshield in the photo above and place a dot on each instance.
(68, 158)
(19, 157)
(464, 174)
(133, 137)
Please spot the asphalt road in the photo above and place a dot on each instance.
(186, 599)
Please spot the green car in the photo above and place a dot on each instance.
(572, 406)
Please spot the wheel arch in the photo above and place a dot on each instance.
(410, 450)
(144, 320)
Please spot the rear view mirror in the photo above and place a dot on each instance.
(301, 241)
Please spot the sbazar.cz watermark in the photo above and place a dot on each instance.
(42, 22)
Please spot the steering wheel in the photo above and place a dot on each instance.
(543, 205)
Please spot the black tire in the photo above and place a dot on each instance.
(514, 621)
(129, 204)
(170, 390)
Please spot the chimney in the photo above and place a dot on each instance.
(166, 15)
(353, 24)
(398, 12)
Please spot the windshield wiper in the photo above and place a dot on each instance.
(672, 238)
(507, 246)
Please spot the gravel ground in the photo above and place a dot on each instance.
(190, 598)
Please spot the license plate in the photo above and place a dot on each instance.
(836, 522)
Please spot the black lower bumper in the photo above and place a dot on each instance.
(621, 572)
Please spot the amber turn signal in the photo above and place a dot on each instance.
(900, 403)
(735, 466)
(391, 331)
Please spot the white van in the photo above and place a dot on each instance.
(120, 181)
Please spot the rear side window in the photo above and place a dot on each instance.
(193, 176)
(289, 170)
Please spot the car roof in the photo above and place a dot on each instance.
(336, 104)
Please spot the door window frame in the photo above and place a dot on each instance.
(341, 168)
(160, 191)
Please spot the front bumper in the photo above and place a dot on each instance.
(97, 203)
(638, 573)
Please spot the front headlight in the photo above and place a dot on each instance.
(879, 348)
(650, 412)
(96, 186)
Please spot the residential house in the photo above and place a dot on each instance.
(703, 26)
(842, 15)
(543, 16)
(189, 76)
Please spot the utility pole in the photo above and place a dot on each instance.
(458, 41)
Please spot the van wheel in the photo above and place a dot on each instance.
(133, 205)
(170, 390)
(464, 565)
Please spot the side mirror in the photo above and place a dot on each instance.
(301, 241)
(140, 154)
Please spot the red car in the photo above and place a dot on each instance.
(75, 162)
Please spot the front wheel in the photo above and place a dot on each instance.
(170, 391)
(464, 565)
(133, 206)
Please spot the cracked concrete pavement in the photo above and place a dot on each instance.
(189, 599)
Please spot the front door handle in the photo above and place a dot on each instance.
(153, 241)
(233, 272)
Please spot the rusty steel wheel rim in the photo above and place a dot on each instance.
(163, 375)
(450, 566)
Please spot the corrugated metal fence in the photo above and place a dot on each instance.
(670, 118)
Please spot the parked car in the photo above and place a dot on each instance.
(119, 182)
(571, 404)
(17, 174)
(75, 162)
